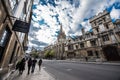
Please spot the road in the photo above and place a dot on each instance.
(80, 71)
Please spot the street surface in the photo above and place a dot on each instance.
(37, 75)
(62, 70)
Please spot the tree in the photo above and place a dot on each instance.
(35, 54)
(52, 53)
(49, 54)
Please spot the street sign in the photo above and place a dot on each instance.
(21, 26)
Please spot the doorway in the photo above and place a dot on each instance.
(111, 53)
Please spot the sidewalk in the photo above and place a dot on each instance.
(37, 75)
(114, 63)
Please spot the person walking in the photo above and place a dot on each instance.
(39, 64)
(33, 65)
(86, 58)
(21, 67)
(29, 65)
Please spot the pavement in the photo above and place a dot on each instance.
(73, 70)
(43, 75)
(37, 75)
(114, 63)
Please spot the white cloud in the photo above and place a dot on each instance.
(86, 25)
(115, 13)
(86, 9)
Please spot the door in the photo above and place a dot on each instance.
(111, 53)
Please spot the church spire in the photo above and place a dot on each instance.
(61, 34)
(61, 29)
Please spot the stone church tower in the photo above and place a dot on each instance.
(60, 45)
(61, 35)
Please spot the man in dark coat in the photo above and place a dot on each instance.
(29, 65)
(33, 65)
(22, 66)
(39, 63)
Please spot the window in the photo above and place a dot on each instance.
(104, 19)
(105, 38)
(82, 45)
(12, 3)
(97, 54)
(4, 41)
(99, 22)
(76, 46)
(107, 26)
(102, 28)
(18, 1)
(90, 53)
(92, 33)
(70, 47)
(93, 43)
(118, 34)
(95, 23)
(3, 38)
(107, 17)
(97, 29)
(118, 25)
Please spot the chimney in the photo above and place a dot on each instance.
(83, 31)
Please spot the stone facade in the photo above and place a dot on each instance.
(12, 44)
(100, 44)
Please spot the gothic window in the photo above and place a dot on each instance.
(105, 38)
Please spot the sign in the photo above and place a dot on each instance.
(21, 26)
(25, 47)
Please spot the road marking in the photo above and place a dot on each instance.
(68, 69)
(43, 67)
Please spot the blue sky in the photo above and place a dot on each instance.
(72, 14)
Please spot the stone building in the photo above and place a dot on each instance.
(13, 43)
(100, 44)
(108, 37)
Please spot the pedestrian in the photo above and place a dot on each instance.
(33, 65)
(29, 65)
(21, 66)
(39, 64)
(86, 58)
(17, 65)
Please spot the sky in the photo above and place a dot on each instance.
(73, 15)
